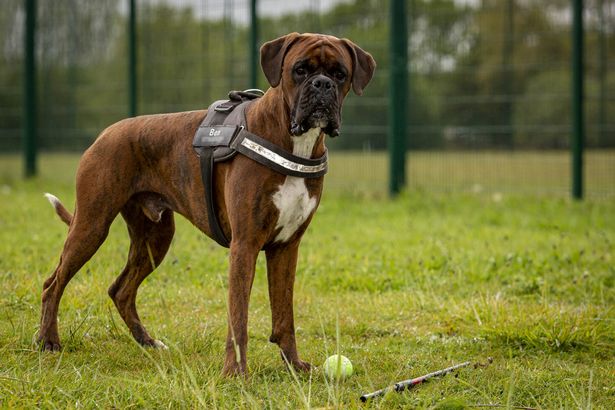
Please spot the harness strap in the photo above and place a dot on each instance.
(207, 166)
(270, 155)
(206, 141)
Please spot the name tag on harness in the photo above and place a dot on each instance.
(215, 136)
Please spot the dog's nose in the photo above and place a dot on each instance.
(322, 83)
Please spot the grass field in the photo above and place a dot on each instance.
(410, 286)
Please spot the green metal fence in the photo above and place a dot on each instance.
(489, 95)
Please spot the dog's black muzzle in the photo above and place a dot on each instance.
(317, 107)
(322, 86)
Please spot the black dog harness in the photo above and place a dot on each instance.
(223, 133)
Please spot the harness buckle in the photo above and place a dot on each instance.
(226, 107)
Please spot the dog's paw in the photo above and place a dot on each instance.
(49, 346)
(234, 369)
(159, 345)
(301, 366)
(297, 364)
(153, 344)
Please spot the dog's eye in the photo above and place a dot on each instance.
(301, 71)
(340, 75)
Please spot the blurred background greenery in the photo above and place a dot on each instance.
(487, 78)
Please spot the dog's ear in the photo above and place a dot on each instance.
(272, 57)
(363, 66)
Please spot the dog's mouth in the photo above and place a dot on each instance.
(310, 112)
(320, 118)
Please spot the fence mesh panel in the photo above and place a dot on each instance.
(489, 95)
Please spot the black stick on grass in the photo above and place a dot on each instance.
(408, 384)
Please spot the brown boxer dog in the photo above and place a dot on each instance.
(146, 169)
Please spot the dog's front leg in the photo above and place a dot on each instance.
(281, 267)
(241, 276)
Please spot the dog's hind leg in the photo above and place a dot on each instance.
(87, 232)
(149, 242)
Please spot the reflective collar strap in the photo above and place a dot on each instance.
(274, 157)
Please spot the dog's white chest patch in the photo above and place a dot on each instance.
(292, 198)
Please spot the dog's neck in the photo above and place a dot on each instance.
(303, 145)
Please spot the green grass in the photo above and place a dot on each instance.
(412, 285)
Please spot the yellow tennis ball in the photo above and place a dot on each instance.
(338, 367)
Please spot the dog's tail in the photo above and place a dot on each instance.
(62, 212)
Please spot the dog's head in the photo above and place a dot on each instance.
(316, 72)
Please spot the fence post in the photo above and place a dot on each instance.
(578, 122)
(30, 148)
(508, 73)
(254, 54)
(398, 95)
(132, 58)
(602, 74)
